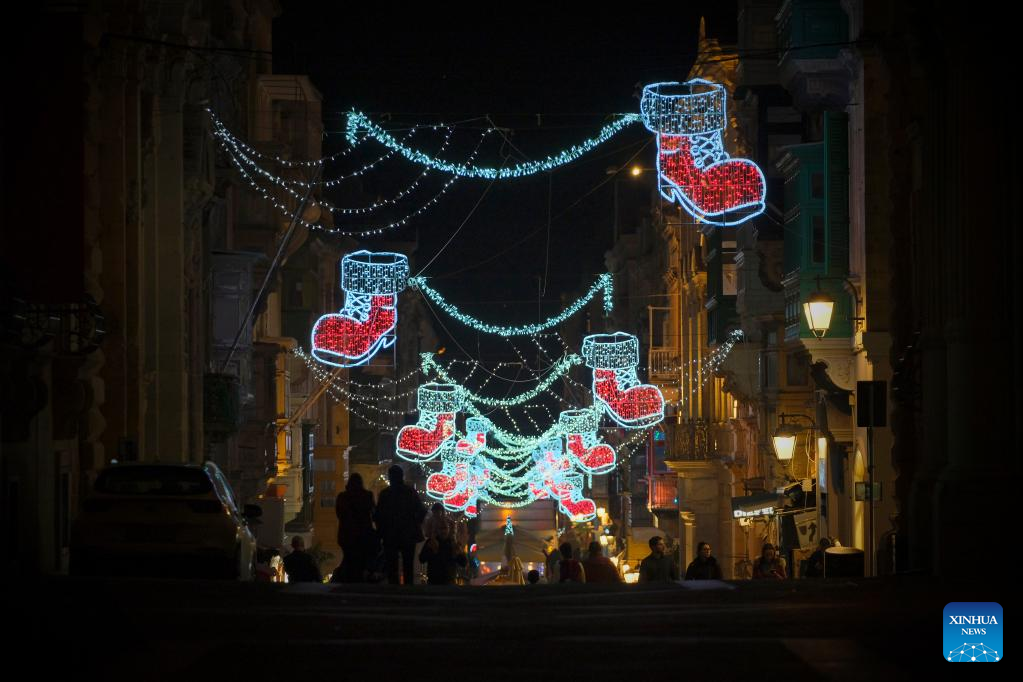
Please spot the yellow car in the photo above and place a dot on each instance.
(173, 520)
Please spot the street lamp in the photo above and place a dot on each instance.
(819, 307)
(784, 439)
(784, 442)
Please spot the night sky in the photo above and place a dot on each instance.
(552, 83)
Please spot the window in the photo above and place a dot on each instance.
(325, 465)
(328, 491)
(818, 239)
(796, 369)
(729, 280)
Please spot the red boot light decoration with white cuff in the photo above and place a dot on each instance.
(693, 167)
(580, 429)
(366, 323)
(616, 389)
(434, 432)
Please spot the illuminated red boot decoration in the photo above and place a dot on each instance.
(454, 476)
(435, 430)
(365, 325)
(616, 389)
(580, 428)
(693, 167)
(569, 491)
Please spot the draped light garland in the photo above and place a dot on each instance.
(428, 364)
(361, 127)
(284, 210)
(604, 283)
(249, 156)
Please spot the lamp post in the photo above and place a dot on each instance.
(784, 442)
(634, 171)
(820, 306)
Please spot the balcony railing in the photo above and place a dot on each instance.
(663, 363)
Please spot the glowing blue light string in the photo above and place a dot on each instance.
(360, 126)
(604, 283)
(428, 363)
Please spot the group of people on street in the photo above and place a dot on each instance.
(393, 526)
(383, 535)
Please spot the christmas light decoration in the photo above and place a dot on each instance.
(428, 364)
(692, 166)
(222, 129)
(461, 474)
(284, 210)
(241, 152)
(361, 127)
(604, 283)
(553, 477)
(236, 153)
(371, 282)
(580, 428)
(613, 358)
(435, 430)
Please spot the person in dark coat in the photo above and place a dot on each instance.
(399, 518)
(299, 565)
(704, 566)
(815, 564)
(658, 567)
(355, 534)
(439, 552)
(769, 566)
(599, 568)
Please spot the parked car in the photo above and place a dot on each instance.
(174, 520)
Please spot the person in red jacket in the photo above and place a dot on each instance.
(571, 570)
(599, 568)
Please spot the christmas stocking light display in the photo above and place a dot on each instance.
(580, 429)
(458, 481)
(616, 389)
(553, 476)
(352, 336)
(693, 168)
(434, 432)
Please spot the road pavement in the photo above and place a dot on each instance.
(144, 629)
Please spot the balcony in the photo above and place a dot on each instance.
(662, 493)
(813, 66)
(663, 363)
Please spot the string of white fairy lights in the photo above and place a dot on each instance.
(284, 210)
(276, 158)
(245, 153)
(288, 185)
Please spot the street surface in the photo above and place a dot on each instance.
(797, 630)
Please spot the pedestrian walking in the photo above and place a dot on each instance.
(553, 560)
(570, 570)
(355, 533)
(299, 565)
(658, 567)
(439, 552)
(769, 566)
(704, 566)
(598, 567)
(399, 518)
